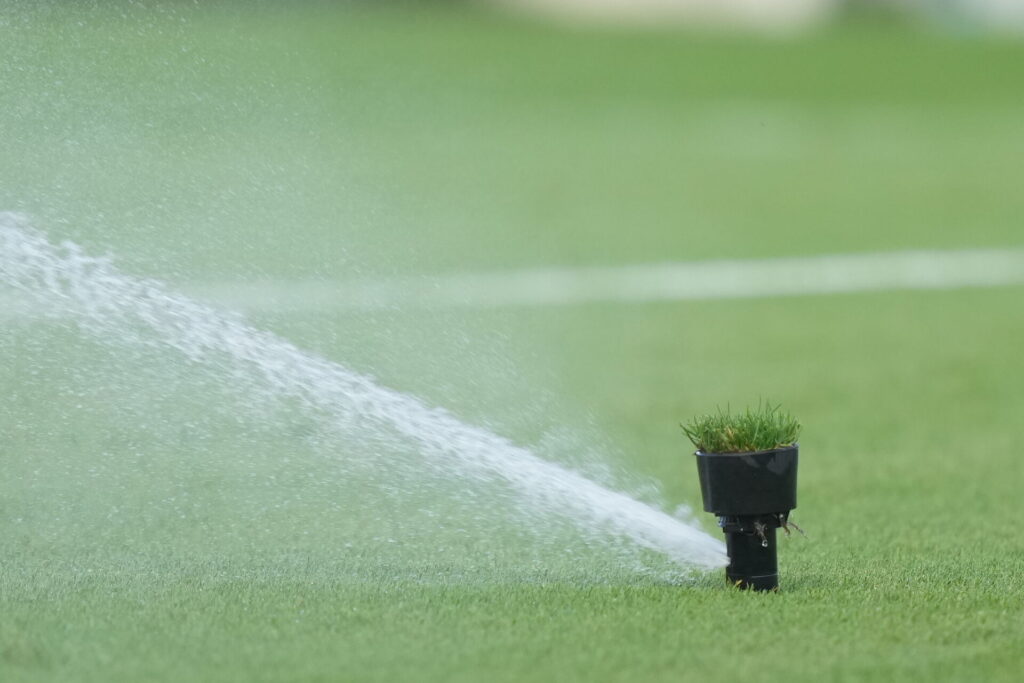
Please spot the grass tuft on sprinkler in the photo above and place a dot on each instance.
(747, 466)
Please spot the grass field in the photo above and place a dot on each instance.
(153, 527)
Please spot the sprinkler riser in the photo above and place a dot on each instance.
(753, 551)
(752, 495)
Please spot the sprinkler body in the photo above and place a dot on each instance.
(752, 494)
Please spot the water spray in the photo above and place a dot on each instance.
(133, 312)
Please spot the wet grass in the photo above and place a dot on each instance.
(264, 628)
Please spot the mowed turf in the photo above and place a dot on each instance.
(144, 535)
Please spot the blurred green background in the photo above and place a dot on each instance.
(278, 142)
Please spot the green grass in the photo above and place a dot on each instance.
(757, 429)
(153, 527)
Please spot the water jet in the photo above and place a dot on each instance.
(140, 315)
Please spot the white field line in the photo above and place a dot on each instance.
(695, 281)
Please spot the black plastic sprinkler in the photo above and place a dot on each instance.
(752, 494)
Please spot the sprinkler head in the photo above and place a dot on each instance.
(752, 494)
